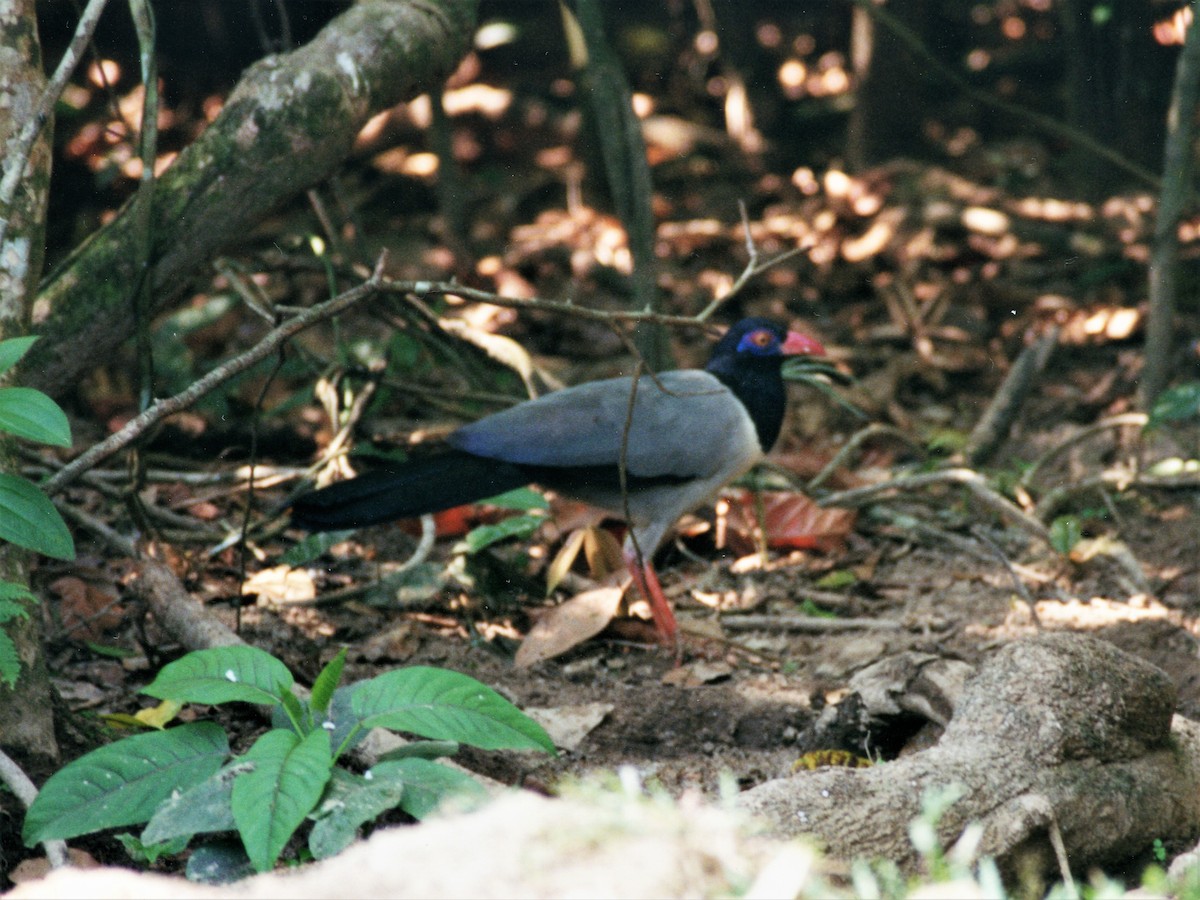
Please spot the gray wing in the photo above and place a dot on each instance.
(680, 431)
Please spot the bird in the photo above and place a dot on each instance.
(646, 449)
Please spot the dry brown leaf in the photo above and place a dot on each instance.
(568, 625)
(569, 725)
(281, 584)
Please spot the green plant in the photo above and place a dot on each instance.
(184, 781)
(27, 517)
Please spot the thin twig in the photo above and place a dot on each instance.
(1122, 420)
(270, 343)
(805, 624)
(15, 779)
(859, 438)
(1119, 479)
(967, 478)
(18, 150)
(997, 420)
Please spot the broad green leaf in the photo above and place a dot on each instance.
(350, 801)
(446, 705)
(524, 499)
(1175, 404)
(30, 414)
(206, 807)
(124, 782)
(271, 802)
(327, 682)
(421, 750)
(223, 675)
(486, 535)
(28, 519)
(13, 349)
(294, 713)
(427, 785)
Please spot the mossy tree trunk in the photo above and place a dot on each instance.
(26, 713)
(289, 123)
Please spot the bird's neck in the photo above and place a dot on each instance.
(757, 383)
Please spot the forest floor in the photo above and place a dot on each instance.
(924, 280)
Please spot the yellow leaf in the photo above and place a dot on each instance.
(564, 559)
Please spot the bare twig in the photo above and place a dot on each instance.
(993, 426)
(804, 624)
(163, 408)
(967, 478)
(1123, 420)
(1118, 479)
(15, 779)
(859, 438)
(17, 153)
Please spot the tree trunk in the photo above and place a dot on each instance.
(26, 712)
(288, 124)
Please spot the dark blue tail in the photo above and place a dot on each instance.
(421, 486)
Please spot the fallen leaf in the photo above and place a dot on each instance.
(569, 725)
(698, 673)
(281, 584)
(396, 643)
(39, 867)
(792, 521)
(568, 625)
(87, 610)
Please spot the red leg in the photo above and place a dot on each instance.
(647, 582)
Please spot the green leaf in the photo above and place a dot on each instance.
(1065, 532)
(427, 785)
(326, 683)
(149, 854)
(12, 609)
(28, 519)
(446, 705)
(124, 782)
(524, 499)
(1176, 404)
(350, 801)
(271, 802)
(294, 713)
(421, 750)
(10, 590)
(203, 808)
(30, 414)
(486, 535)
(312, 547)
(13, 349)
(223, 675)
(10, 661)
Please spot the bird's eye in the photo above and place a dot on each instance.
(761, 338)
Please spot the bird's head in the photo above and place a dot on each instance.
(757, 338)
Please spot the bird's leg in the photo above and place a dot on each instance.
(646, 580)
